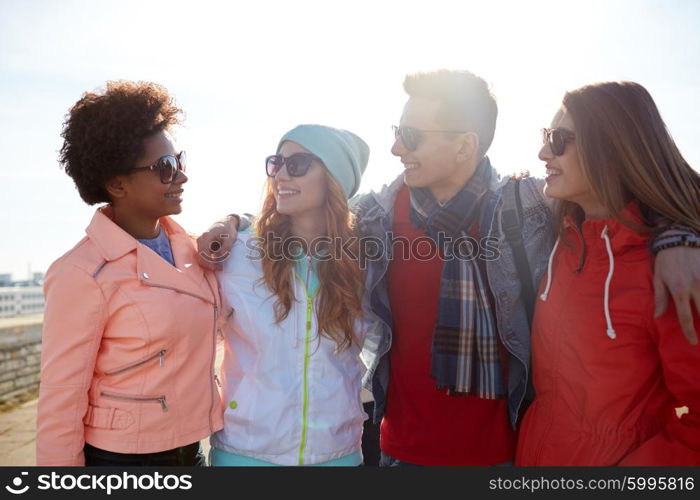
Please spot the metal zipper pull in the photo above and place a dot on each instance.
(162, 403)
(216, 377)
(162, 354)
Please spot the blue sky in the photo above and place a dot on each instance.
(245, 72)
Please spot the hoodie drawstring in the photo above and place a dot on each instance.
(606, 300)
(549, 272)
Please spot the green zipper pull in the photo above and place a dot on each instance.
(309, 310)
(305, 406)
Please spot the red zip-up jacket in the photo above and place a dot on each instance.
(608, 376)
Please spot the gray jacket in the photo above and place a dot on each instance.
(374, 218)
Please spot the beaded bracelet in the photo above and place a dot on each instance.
(673, 227)
(676, 240)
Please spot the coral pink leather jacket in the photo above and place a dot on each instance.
(128, 347)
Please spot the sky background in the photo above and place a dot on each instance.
(246, 72)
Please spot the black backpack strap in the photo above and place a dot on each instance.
(512, 221)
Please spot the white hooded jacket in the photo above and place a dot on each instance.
(289, 398)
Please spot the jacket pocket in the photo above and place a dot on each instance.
(107, 418)
(137, 399)
(160, 355)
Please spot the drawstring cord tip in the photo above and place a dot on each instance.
(606, 300)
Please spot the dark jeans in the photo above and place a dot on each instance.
(370, 437)
(184, 455)
(389, 461)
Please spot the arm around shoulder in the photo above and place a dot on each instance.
(534, 187)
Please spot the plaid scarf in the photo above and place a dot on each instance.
(465, 344)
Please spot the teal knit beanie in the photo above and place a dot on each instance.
(343, 153)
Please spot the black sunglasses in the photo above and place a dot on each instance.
(168, 166)
(297, 164)
(411, 137)
(556, 139)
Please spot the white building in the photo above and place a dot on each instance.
(21, 300)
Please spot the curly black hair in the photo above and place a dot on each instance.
(104, 131)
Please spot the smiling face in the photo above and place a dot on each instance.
(144, 193)
(296, 196)
(442, 162)
(566, 179)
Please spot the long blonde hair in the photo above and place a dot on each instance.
(341, 280)
(627, 154)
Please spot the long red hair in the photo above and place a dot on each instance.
(341, 279)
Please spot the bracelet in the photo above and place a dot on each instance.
(677, 240)
(674, 227)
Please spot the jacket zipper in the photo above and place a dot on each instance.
(553, 398)
(213, 353)
(307, 341)
(212, 359)
(160, 354)
(160, 399)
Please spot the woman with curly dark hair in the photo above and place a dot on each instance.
(127, 364)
